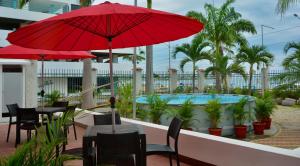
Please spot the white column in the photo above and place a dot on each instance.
(31, 84)
(139, 83)
(201, 80)
(173, 79)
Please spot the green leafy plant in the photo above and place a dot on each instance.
(264, 106)
(239, 113)
(52, 97)
(213, 109)
(124, 102)
(185, 113)
(41, 149)
(157, 106)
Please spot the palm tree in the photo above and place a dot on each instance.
(223, 27)
(284, 5)
(225, 69)
(194, 52)
(149, 62)
(253, 55)
(139, 57)
(291, 65)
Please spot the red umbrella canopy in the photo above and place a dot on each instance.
(92, 27)
(17, 52)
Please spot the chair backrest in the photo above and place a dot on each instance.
(60, 104)
(116, 148)
(106, 119)
(173, 131)
(26, 115)
(12, 109)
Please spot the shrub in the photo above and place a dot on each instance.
(213, 109)
(264, 106)
(54, 96)
(124, 102)
(185, 113)
(157, 106)
(239, 113)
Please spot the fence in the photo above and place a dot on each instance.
(69, 82)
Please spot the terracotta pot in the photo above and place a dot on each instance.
(215, 131)
(189, 128)
(258, 128)
(240, 131)
(267, 121)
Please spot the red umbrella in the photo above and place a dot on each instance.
(17, 52)
(105, 26)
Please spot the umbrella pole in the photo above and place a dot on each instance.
(112, 98)
(134, 84)
(42, 91)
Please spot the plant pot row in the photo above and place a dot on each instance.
(241, 130)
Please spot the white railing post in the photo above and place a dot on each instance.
(138, 81)
(201, 80)
(173, 79)
(265, 79)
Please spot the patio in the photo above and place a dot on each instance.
(9, 148)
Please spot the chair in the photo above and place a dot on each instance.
(27, 119)
(173, 132)
(12, 111)
(106, 119)
(119, 149)
(72, 123)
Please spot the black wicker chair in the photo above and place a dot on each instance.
(12, 111)
(27, 119)
(71, 109)
(106, 119)
(119, 149)
(173, 132)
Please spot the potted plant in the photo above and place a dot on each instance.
(157, 107)
(185, 113)
(239, 116)
(213, 109)
(264, 109)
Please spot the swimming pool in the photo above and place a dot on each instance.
(197, 99)
(200, 101)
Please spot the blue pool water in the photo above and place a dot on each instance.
(197, 99)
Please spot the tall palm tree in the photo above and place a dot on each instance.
(194, 52)
(149, 62)
(284, 5)
(291, 65)
(223, 27)
(225, 69)
(253, 55)
(139, 57)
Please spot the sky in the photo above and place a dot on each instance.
(260, 12)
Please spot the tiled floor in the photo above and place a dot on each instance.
(8, 148)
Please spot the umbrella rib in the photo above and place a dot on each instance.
(82, 32)
(68, 34)
(39, 29)
(143, 20)
(79, 27)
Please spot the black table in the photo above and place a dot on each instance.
(46, 110)
(92, 131)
